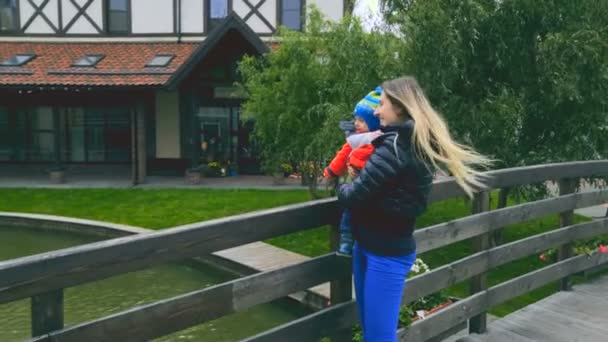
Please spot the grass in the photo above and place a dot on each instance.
(154, 209)
(157, 209)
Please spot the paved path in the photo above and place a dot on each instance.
(579, 315)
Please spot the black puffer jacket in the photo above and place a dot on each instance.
(391, 191)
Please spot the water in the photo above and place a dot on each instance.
(98, 299)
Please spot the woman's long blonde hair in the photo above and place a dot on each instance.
(431, 136)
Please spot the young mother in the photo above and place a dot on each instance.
(391, 191)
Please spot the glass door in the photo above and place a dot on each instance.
(218, 134)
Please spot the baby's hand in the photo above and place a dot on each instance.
(352, 172)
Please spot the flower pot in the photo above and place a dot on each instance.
(193, 177)
(57, 176)
(278, 179)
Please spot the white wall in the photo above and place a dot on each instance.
(268, 10)
(39, 25)
(152, 16)
(192, 16)
(332, 9)
(167, 125)
(82, 25)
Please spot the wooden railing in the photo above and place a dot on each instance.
(44, 276)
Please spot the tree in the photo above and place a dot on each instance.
(300, 91)
(522, 80)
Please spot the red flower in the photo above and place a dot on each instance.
(602, 249)
(542, 257)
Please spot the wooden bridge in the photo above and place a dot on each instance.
(43, 277)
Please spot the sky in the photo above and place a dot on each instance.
(369, 13)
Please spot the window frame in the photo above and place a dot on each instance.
(171, 58)
(212, 23)
(5, 63)
(281, 13)
(107, 21)
(99, 57)
(16, 19)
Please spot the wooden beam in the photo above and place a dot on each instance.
(481, 204)
(465, 228)
(313, 327)
(566, 186)
(459, 312)
(457, 271)
(341, 289)
(47, 312)
(28, 276)
(170, 315)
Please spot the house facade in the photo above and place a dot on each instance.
(147, 84)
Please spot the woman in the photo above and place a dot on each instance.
(391, 191)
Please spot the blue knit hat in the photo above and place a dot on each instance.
(366, 107)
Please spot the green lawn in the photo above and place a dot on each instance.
(153, 209)
(159, 209)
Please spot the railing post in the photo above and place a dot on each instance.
(47, 312)
(566, 218)
(481, 203)
(341, 290)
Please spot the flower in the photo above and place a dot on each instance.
(542, 257)
(602, 249)
(419, 267)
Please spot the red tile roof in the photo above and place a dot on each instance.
(123, 64)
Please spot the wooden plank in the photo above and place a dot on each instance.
(471, 306)
(479, 282)
(455, 272)
(166, 316)
(312, 327)
(464, 228)
(47, 312)
(566, 186)
(505, 178)
(24, 277)
(341, 289)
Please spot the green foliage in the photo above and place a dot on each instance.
(300, 91)
(524, 81)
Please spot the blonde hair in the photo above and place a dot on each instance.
(431, 136)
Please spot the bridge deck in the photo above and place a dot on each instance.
(578, 315)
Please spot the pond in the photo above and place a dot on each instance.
(94, 300)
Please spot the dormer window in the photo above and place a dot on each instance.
(18, 60)
(160, 61)
(88, 61)
(8, 16)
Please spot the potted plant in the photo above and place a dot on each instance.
(214, 169)
(193, 175)
(57, 174)
(282, 172)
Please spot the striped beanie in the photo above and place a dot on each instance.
(366, 107)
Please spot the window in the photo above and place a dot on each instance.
(160, 61)
(8, 15)
(88, 61)
(5, 135)
(118, 16)
(218, 10)
(291, 14)
(18, 59)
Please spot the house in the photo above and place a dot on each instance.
(147, 84)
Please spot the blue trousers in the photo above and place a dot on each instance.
(379, 284)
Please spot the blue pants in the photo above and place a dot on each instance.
(379, 284)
